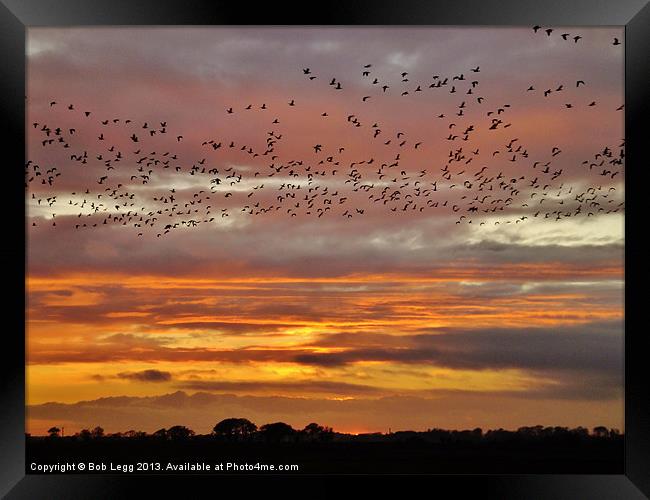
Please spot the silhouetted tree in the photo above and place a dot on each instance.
(277, 431)
(529, 432)
(97, 432)
(179, 432)
(601, 431)
(85, 434)
(315, 432)
(234, 428)
(581, 431)
(161, 434)
(54, 432)
(134, 434)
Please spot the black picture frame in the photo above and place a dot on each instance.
(17, 15)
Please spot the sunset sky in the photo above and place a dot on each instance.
(404, 319)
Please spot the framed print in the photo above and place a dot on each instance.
(268, 247)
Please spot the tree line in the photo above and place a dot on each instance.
(229, 429)
(243, 430)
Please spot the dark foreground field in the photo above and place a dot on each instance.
(518, 457)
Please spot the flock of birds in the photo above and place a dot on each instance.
(134, 186)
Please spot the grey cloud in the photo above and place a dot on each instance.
(596, 347)
(146, 376)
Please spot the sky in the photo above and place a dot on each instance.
(460, 268)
